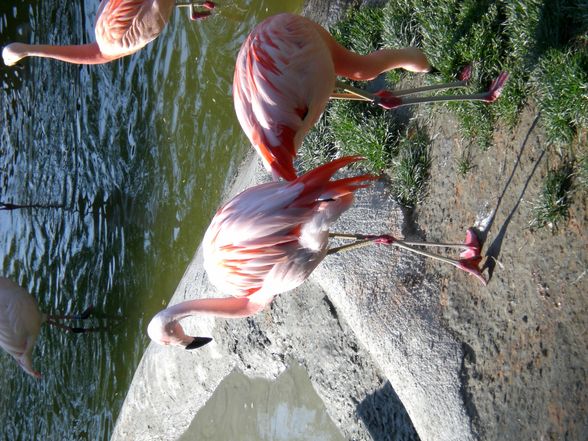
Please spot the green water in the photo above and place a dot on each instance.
(127, 163)
(255, 409)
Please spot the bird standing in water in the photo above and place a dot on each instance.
(268, 240)
(21, 320)
(122, 27)
(286, 72)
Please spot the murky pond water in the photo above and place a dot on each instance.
(124, 164)
(256, 409)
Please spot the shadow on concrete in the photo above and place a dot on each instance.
(385, 417)
(493, 250)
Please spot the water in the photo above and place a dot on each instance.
(256, 409)
(126, 163)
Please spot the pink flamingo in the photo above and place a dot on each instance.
(21, 320)
(269, 238)
(286, 72)
(122, 27)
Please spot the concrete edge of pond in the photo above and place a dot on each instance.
(361, 320)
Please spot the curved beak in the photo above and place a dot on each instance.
(198, 342)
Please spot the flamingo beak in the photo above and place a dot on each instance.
(198, 342)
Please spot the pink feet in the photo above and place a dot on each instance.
(496, 87)
(384, 239)
(472, 243)
(470, 258)
(387, 99)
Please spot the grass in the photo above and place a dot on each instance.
(543, 46)
(551, 208)
(366, 133)
(464, 164)
(561, 79)
(346, 129)
(410, 168)
(531, 39)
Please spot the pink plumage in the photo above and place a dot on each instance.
(264, 241)
(270, 237)
(122, 27)
(287, 70)
(284, 76)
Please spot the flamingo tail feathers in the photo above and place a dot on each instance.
(280, 159)
(318, 181)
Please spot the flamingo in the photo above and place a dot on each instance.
(286, 72)
(268, 240)
(21, 320)
(122, 27)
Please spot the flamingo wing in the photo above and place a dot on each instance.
(284, 75)
(271, 237)
(125, 26)
(250, 235)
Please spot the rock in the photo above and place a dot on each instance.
(363, 318)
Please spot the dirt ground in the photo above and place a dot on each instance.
(526, 332)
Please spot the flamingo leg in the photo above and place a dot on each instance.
(363, 240)
(452, 85)
(198, 15)
(83, 316)
(354, 93)
(347, 236)
(391, 100)
(55, 320)
(350, 246)
(358, 94)
(74, 329)
(468, 261)
(482, 96)
(395, 242)
(348, 96)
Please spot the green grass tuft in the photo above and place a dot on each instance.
(464, 164)
(317, 148)
(552, 206)
(561, 82)
(365, 133)
(410, 168)
(361, 31)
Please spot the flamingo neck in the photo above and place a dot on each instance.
(226, 307)
(75, 54)
(165, 327)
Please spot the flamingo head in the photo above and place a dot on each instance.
(13, 53)
(166, 331)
